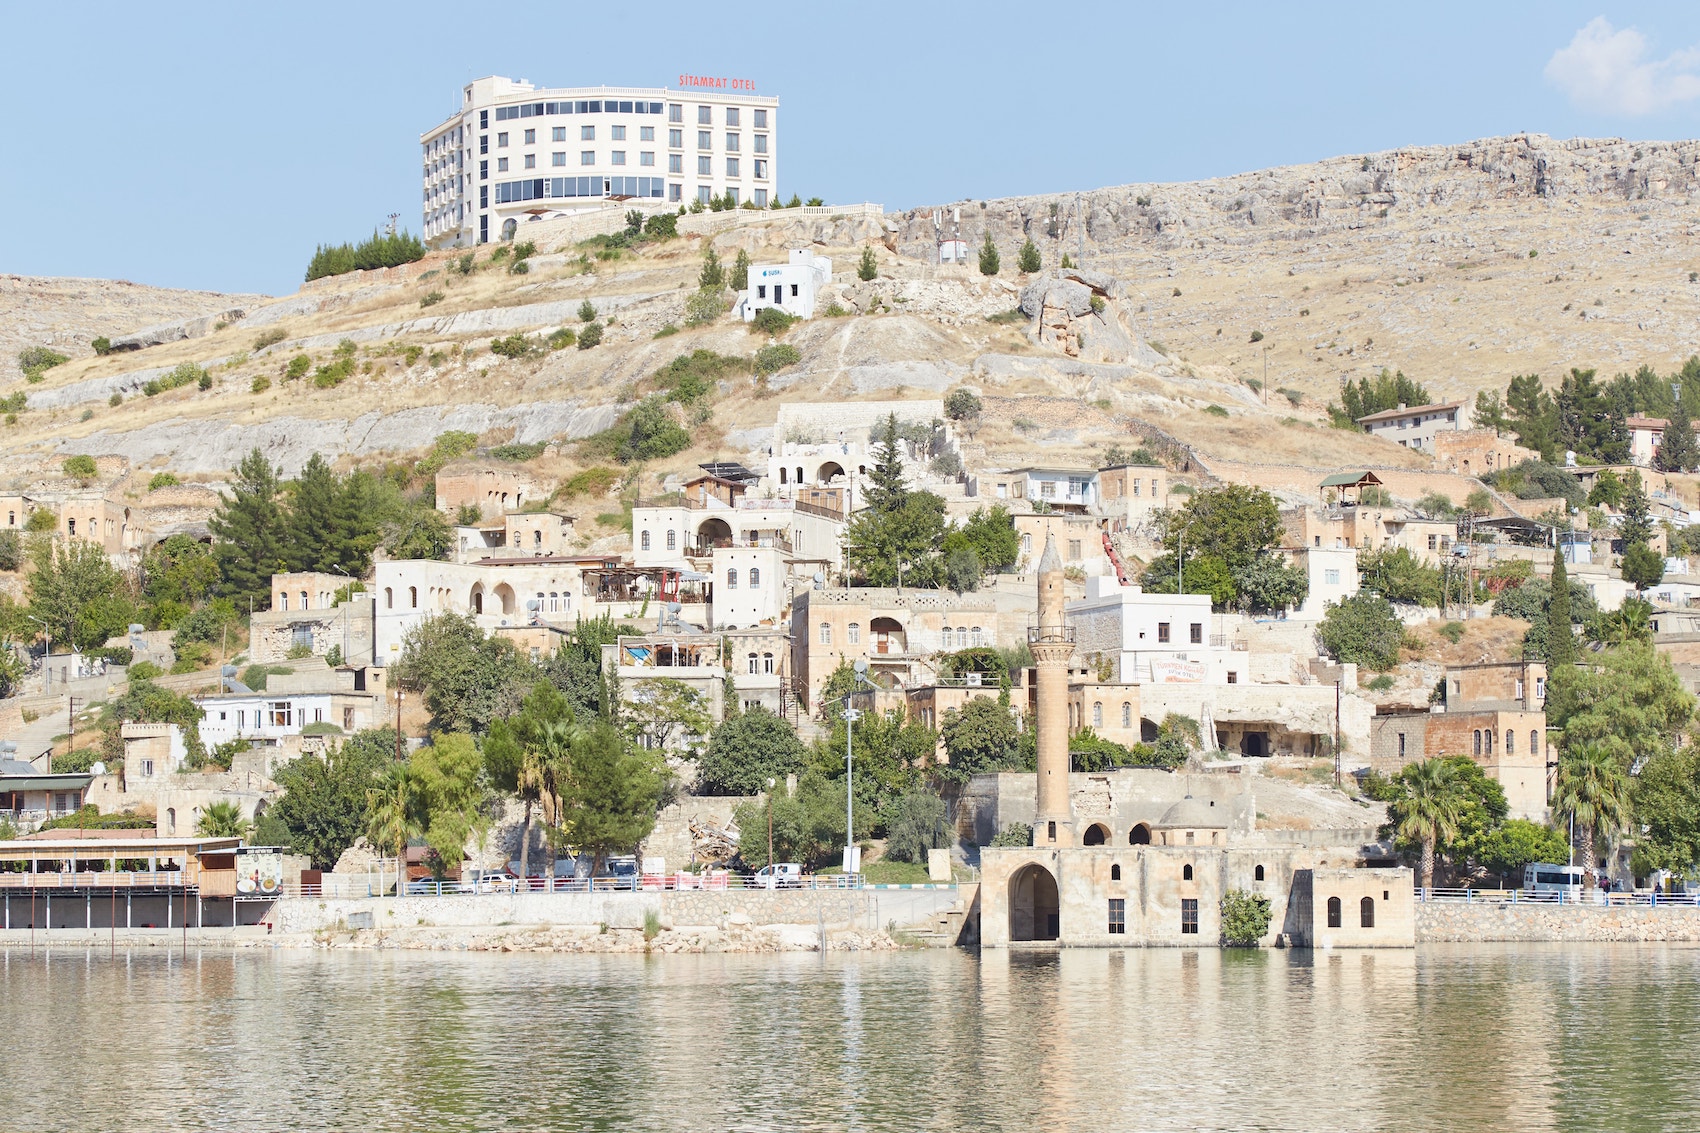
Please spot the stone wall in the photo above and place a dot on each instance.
(1448, 921)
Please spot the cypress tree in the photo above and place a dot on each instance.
(1561, 640)
(741, 271)
(886, 492)
(1636, 527)
(989, 257)
(713, 276)
(314, 517)
(1029, 262)
(251, 530)
(1678, 451)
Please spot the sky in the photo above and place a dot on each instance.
(213, 146)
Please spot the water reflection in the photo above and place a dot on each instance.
(1445, 1038)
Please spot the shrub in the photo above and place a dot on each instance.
(563, 338)
(514, 346)
(87, 415)
(1013, 315)
(377, 251)
(524, 250)
(587, 312)
(1215, 411)
(1257, 336)
(101, 345)
(1245, 918)
(143, 671)
(430, 298)
(410, 354)
(772, 359)
(162, 480)
(704, 307)
(115, 400)
(519, 267)
(35, 361)
(269, 338)
(713, 274)
(40, 521)
(869, 268)
(591, 481)
(1015, 834)
(667, 330)
(1098, 304)
(918, 823)
(1452, 631)
(771, 321)
(1381, 682)
(260, 384)
(989, 262)
(661, 226)
(186, 373)
(81, 467)
(518, 452)
(11, 550)
(298, 367)
(204, 381)
(590, 336)
(333, 374)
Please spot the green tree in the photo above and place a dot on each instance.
(1561, 638)
(1235, 523)
(77, 595)
(963, 405)
(222, 819)
(1607, 490)
(1666, 801)
(445, 775)
(918, 823)
(989, 257)
(652, 433)
(1627, 699)
(1426, 811)
(1268, 584)
(869, 268)
(614, 794)
(527, 754)
(392, 812)
(1592, 787)
(747, 750)
(1363, 630)
(656, 711)
(81, 467)
(899, 547)
(713, 274)
(1399, 576)
(177, 575)
(978, 737)
(1643, 566)
(1518, 842)
(468, 679)
(1677, 450)
(740, 280)
(1029, 260)
(1245, 918)
(324, 805)
(1490, 412)
(11, 549)
(989, 537)
(250, 532)
(1534, 417)
(1636, 527)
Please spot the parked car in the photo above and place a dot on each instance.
(779, 875)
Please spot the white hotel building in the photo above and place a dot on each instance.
(514, 152)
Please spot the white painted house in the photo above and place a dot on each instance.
(1154, 638)
(791, 286)
(1333, 576)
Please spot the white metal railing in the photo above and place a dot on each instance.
(711, 881)
(1597, 897)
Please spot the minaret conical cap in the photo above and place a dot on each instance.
(1050, 560)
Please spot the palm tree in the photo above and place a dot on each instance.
(1428, 810)
(543, 772)
(222, 819)
(390, 817)
(1593, 788)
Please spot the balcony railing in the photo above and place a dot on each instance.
(1050, 635)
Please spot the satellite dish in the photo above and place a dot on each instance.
(674, 607)
(820, 580)
(861, 667)
(533, 605)
(97, 768)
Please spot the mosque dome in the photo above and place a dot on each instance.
(1191, 814)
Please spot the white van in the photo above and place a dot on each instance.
(1549, 882)
(779, 875)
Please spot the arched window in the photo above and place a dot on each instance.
(799, 474)
(855, 633)
(755, 577)
(672, 540)
(1186, 873)
(1487, 741)
(413, 597)
(1258, 874)
(945, 634)
(171, 820)
(389, 598)
(732, 579)
(1510, 742)
(1534, 742)
(1366, 913)
(754, 663)
(782, 474)
(1097, 714)
(1115, 873)
(1333, 912)
(283, 599)
(643, 541)
(767, 662)
(1139, 836)
(1477, 740)
(826, 633)
(976, 637)
(303, 599)
(1127, 714)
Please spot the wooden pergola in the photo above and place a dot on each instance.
(1342, 482)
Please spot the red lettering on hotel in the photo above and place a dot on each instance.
(714, 82)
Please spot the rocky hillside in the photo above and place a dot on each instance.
(1460, 265)
(67, 314)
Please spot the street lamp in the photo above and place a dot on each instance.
(851, 715)
(770, 785)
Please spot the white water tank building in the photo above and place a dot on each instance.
(790, 286)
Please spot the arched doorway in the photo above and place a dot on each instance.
(1096, 835)
(1033, 910)
(478, 598)
(1140, 835)
(829, 472)
(509, 227)
(714, 533)
(888, 636)
(505, 594)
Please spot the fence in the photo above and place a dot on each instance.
(375, 885)
(1596, 898)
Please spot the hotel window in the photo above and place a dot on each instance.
(587, 157)
(619, 133)
(558, 134)
(619, 157)
(731, 143)
(675, 112)
(484, 171)
(1197, 633)
(557, 159)
(761, 203)
(732, 167)
(587, 133)
(731, 115)
(761, 143)
(855, 630)
(705, 167)
(501, 140)
(1189, 916)
(643, 541)
(760, 119)
(1118, 916)
(483, 143)
(531, 161)
(755, 577)
(646, 158)
(675, 192)
(675, 163)
(826, 633)
(501, 165)
(1162, 632)
(531, 137)
(704, 193)
(672, 540)
(705, 116)
(676, 139)
(646, 133)
(705, 140)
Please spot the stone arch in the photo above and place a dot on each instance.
(1034, 913)
(1258, 876)
(505, 594)
(1140, 835)
(887, 635)
(713, 532)
(828, 471)
(509, 227)
(1096, 835)
(476, 600)
(1147, 731)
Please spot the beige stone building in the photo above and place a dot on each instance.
(493, 490)
(898, 632)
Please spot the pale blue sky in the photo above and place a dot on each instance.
(213, 145)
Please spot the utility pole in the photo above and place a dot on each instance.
(398, 699)
(1337, 762)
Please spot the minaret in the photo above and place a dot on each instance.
(1052, 644)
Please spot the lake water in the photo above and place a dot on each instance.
(1465, 1037)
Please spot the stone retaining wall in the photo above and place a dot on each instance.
(1445, 921)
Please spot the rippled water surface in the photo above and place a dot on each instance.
(1466, 1037)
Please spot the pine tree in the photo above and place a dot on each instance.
(251, 530)
(989, 257)
(1030, 261)
(1636, 526)
(741, 271)
(886, 492)
(1561, 640)
(1678, 451)
(713, 276)
(314, 517)
(869, 268)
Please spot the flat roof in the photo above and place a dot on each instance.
(1410, 411)
(140, 840)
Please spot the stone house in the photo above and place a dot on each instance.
(898, 632)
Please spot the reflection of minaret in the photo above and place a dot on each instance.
(1052, 644)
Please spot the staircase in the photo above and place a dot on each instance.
(948, 928)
